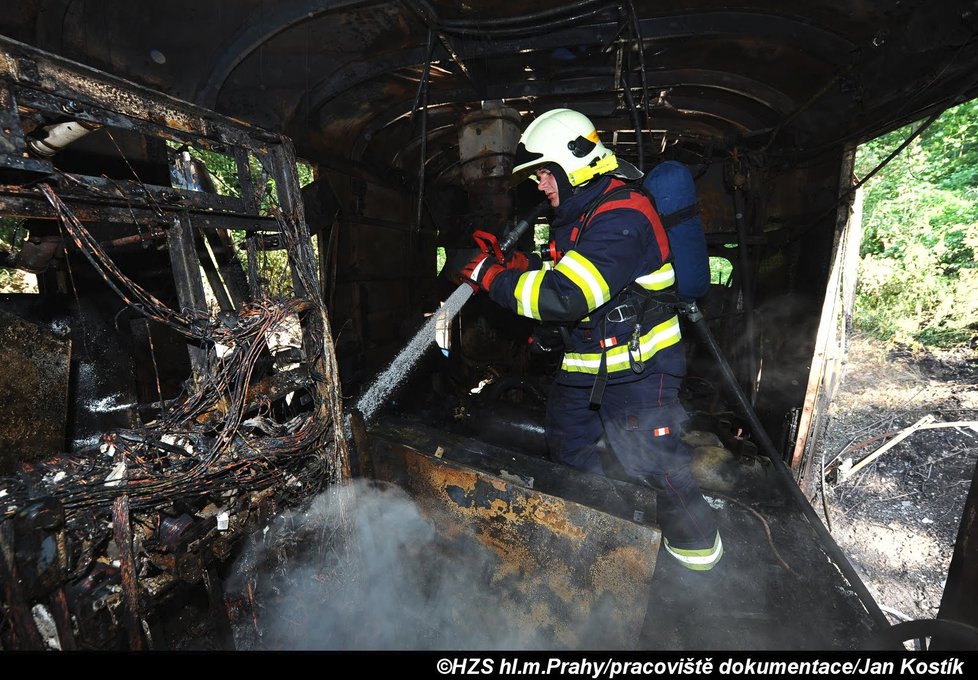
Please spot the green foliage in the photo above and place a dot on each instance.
(541, 234)
(920, 234)
(9, 227)
(11, 239)
(440, 258)
(272, 265)
(304, 173)
(721, 270)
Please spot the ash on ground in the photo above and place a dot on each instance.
(897, 518)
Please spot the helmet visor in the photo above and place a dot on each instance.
(626, 170)
(525, 163)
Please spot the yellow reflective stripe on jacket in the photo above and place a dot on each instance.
(528, 294)
(585, 276)
(659, 337)
(660, 279)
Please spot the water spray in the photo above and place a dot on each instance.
(385, 383)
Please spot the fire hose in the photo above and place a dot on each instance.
(385, 383)
(692, 312)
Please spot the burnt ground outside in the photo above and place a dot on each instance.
(897, 518)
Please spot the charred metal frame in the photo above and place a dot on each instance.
(45, 577)
(960, 600)
(34, 81)
(831, 344)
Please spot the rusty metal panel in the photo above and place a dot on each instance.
(562, 567)
(34, 369)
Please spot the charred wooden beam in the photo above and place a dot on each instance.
(22, 633)
(16, 202)
(186, 276)
(12, 142)
(158, 198)
(122, 532)
(960, 599)
(317, 340)
(228, 265)
(62, 620)
(213, 275)
(46, 81)
(217, 610)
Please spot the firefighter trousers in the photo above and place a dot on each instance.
(643, 422)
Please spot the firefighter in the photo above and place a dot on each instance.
(610, 288)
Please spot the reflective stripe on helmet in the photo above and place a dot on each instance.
(659, 337)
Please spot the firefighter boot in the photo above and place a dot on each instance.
(689, 529)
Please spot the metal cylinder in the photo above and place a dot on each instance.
(59, 136)
(487, 146)
(487, 142)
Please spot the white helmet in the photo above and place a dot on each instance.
(570, 140)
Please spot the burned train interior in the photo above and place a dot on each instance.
(245, 393)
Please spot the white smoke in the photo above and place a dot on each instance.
(362, 569)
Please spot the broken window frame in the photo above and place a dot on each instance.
(44, 601)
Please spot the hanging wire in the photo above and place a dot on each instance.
(640, 41)
(216, 440)
(131, 292)
(635, 119)
(535, 24)
(421, 103)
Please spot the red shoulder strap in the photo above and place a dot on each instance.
(636, 200)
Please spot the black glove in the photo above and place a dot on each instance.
(546, 340)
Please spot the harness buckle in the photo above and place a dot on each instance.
(621, 314)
